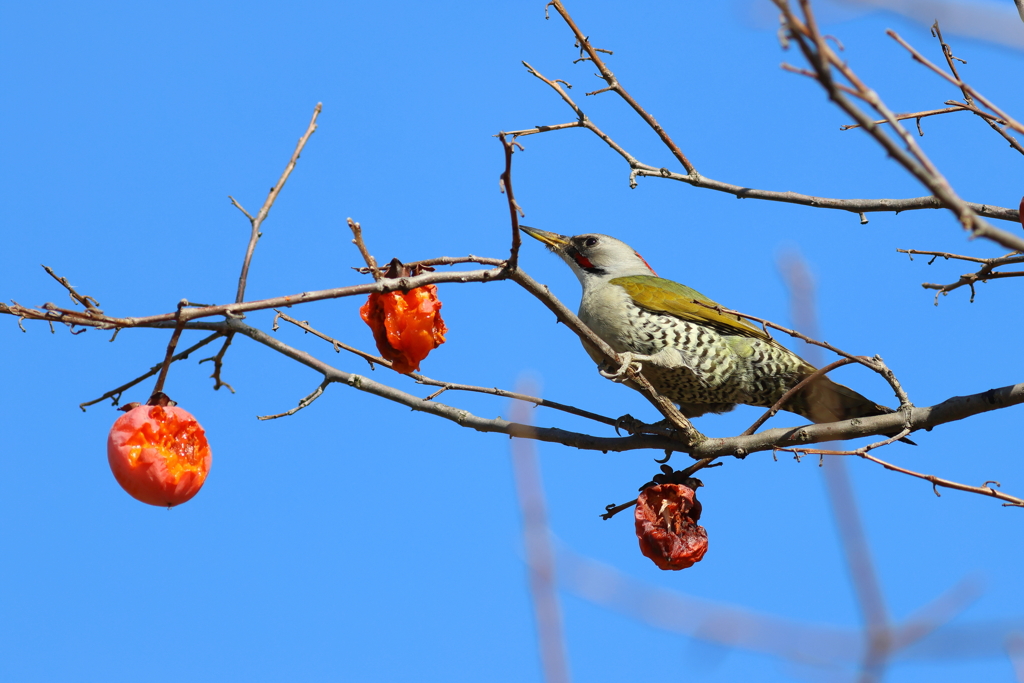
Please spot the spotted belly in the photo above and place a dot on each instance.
(709, 371)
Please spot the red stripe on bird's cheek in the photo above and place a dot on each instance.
(582, 260)
(646, 263)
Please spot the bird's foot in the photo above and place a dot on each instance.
(633, 427)
(630, 425)
(628, 360)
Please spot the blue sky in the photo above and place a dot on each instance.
(358, 541)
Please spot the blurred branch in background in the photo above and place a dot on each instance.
(925, 636)
(1015, 641)
(849, 524)
(993, 22)
(540, 561)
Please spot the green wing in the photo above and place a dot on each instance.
(665, 296)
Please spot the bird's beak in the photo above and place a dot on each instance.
(554, 241)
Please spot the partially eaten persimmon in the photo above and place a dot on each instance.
(406, 325)
(666, 525)
(159, 454)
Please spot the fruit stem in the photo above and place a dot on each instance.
(178, 327)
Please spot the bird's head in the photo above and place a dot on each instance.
(593, 257)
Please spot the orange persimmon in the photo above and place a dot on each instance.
(406, 325)
(159, 455)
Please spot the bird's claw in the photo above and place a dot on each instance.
(628, 360)
(630, 424)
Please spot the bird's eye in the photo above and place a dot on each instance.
(590, 241)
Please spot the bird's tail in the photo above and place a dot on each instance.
(826, 401)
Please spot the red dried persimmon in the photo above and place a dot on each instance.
(159, 454)
(666, 526)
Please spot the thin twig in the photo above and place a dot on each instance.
(810, 74)
(115, 394)
(985, 273)
(612, 510)
(514, 209)
(171, 345)
(449, 386)
(218, 365)
(445, 261)
(357, 239)
(918, 57)
(613, 84)
(87, 301)
(1012, 257)
(967, 92)
(257, 221)
(906, 152)
(302, 403)
(639, 169)
(69, 316)
(985, 490)
(584, 122)
(459, 416)
(544, 129)
(916, 115)
(969, 279)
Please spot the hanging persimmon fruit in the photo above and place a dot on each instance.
(158, 453)
(666, 526)
(406, 325)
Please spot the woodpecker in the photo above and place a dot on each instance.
(703, 360)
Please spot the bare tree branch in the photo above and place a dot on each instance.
(680, 436)
(88, 302)
(906, 152)
(70, 317)
(461, 417)
(271, 198)
(613, 84)
(115, 394)
(985, 489)
(984, 274)
(693, 178)
(692, 442)
(955, 79)
(450, 386)
(357, 239)
(514, 210)
(305, 401)
(951, 410)
(967, 92)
